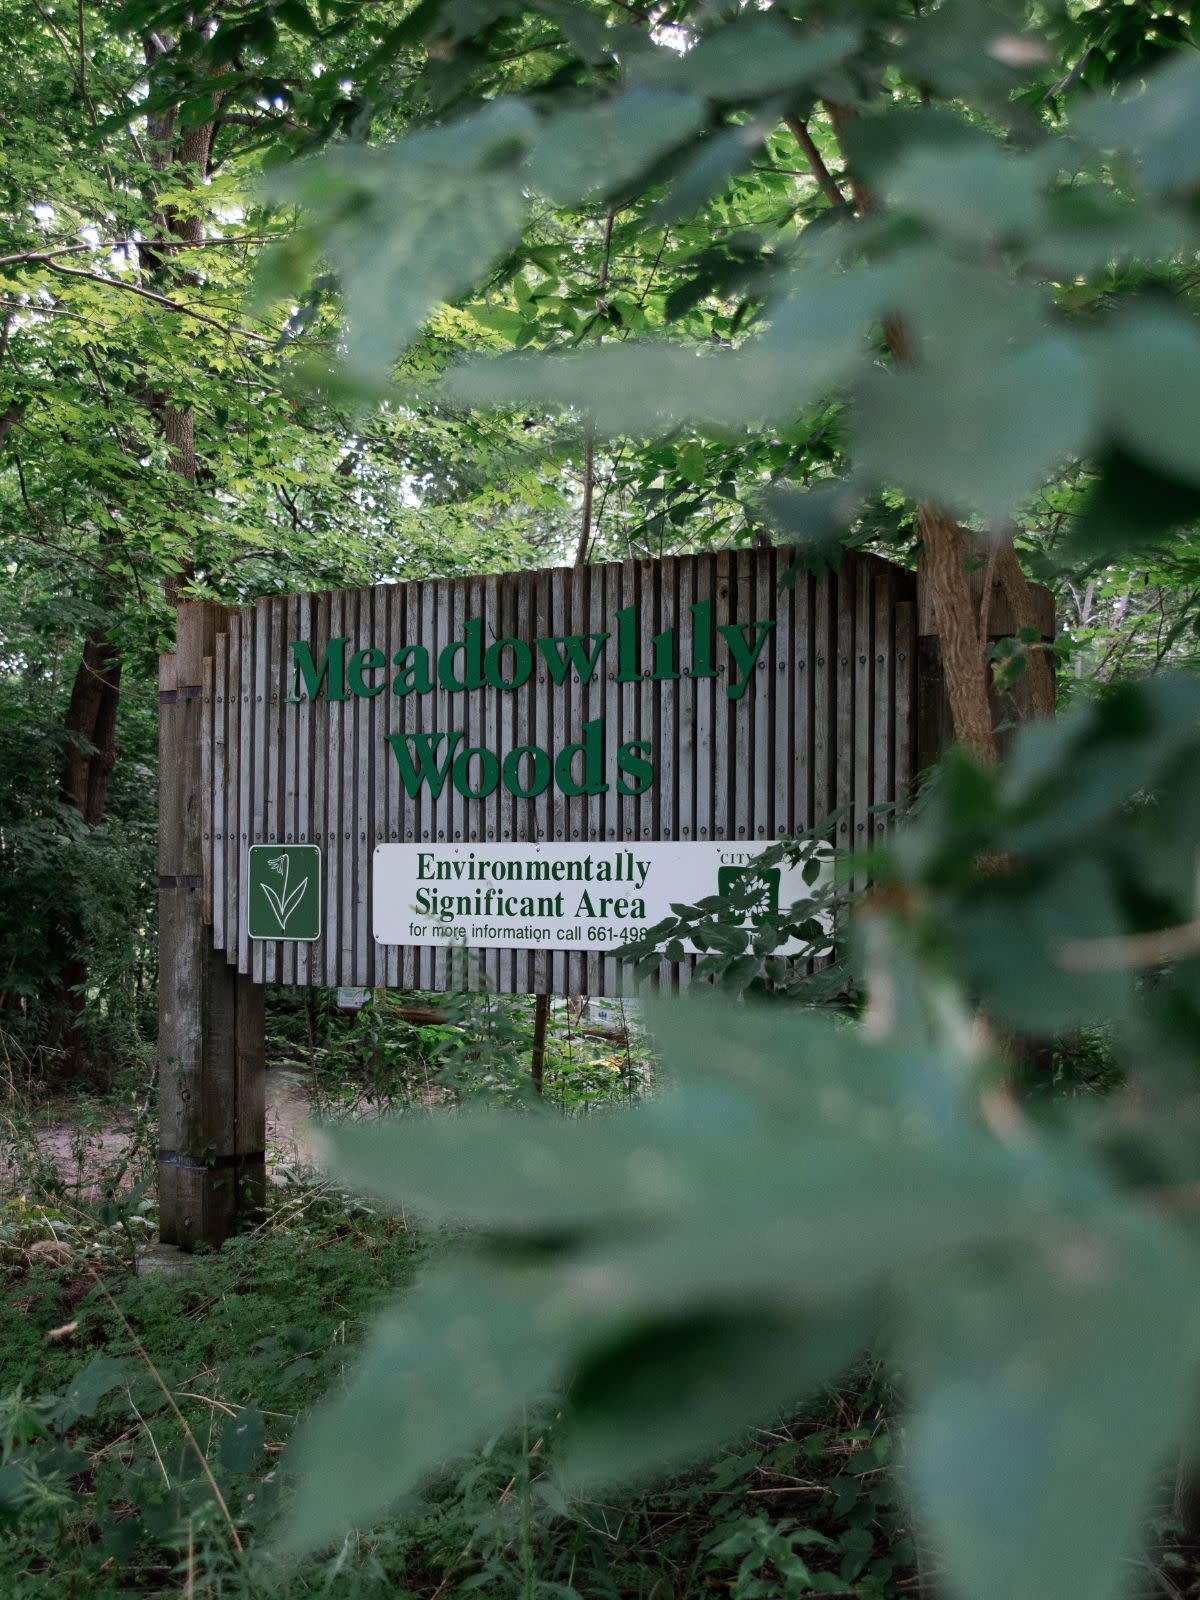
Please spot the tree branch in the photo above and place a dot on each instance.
(589, 454)
(158, 299)
(825, 178)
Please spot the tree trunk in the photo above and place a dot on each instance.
(190, 152)
(91, 719)
(964, 658)
(90, 727)
(946, 550)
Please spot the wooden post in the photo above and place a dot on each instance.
(537, 1060)
(212, 1113)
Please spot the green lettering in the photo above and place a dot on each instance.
(427, 770)
(702, 641)
(572, 654)
(522, 663)
(361, 661)
(413, 677)
(745, 655)
(539, 778)
(639, 769)
(333, 667)
(471, 646)
(664, 655)
(627, 645)
(489, 773)
(592, 748)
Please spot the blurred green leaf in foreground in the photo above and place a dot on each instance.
(809, 1187)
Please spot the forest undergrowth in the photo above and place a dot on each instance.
(145, 1411)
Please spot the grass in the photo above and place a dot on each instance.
(145, 1418)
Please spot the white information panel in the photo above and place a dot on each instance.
(555, 896)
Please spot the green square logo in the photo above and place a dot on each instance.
(284, 900)
(768, 901)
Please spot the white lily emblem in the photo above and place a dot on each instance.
(282, 903)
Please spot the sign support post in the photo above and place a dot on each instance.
(211, 1036)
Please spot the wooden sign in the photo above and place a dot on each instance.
(533, 766)
(356, 786)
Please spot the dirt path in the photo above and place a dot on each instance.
(80, 1152)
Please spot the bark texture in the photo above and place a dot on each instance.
(946, 549)
(91, 719)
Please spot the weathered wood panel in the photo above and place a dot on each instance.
(826, 721)
(210, 1157)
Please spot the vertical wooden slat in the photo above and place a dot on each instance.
(404, 816)
(647, 696)
(724, 755)
(245, 781)
(742, 710)
(334, 792)
(627, 823)
(301, 625)
(905, 699)
(787, 757)
(362, 834)
(510, 737)
(474, 719)
(562, 729)
(207, 824)
(442, 603)
(319, 960)
(233, 756)
(348, 713)
(883, 709)
(287, 725)
(542, 723)
(824, 658)
(266, 768)
(384, 959)
(863, 703)
(217, 881)
(685, 753)
(760, 587)
(844, 715)
(707, 757)
(520, 711)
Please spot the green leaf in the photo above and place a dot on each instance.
(715, 161)
(968, 193)
(100, 1377)
(243, 1440)
(603, 148)
(500, 319)
(1156, 122)
(978, 439)
(1131, 504)
(653, 1397)
(1009, 943)
(442, 1371)
(693, 463)
(815, 337)
(753, 59)
(416, 224)
(1045, 1400)
(816, 519)
(1147, 379)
